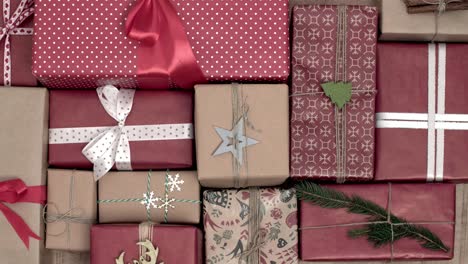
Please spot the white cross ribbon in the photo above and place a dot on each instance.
(436, 121)
(110, 145)
(11, 27)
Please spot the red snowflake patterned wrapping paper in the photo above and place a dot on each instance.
(314, 61)
(16, 64)
(83, 44)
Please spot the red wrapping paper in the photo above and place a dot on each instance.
(82, 108)
(403, 79)
(414, 202)
(20, 51)
(177, 244)
(231, 40)
(313, 127)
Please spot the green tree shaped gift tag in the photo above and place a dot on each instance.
(338, 92)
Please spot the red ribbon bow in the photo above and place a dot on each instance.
(164, 52)
(16, 191)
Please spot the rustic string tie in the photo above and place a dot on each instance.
(73, 215)
(258, 242)
(387, 221)
(441, 8)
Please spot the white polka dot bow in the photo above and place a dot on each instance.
(112, 145)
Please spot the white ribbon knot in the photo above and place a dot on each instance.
(112, 146)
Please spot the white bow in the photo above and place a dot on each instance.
(112, 145)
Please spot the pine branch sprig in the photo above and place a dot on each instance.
(379, 231)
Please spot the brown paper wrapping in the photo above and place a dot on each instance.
(23, 153)
(265, 163)
(76, 191)
(397, 25)
(130, 185)
(66, 257)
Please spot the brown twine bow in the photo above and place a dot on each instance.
(73, 215)
(258, 242)
(387, 221)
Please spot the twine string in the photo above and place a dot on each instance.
(387, 221)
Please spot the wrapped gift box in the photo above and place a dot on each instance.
(257, 116)
(66, 257)
(324, 231)
(430, 122)
(260, 221)
(156, 196)
(158, 128)
(16, 44)
(221, 36)
(70, 213)
(176, 244)
(398, 25)
(23, 148)
(329, 143)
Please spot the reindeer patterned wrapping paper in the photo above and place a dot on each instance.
(232, 236)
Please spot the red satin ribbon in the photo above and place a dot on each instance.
(165, 55)
(16, 191)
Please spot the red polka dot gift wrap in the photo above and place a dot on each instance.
(160, 44)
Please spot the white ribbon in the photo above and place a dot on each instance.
(11, 27)
(112, 146)
(436, 121)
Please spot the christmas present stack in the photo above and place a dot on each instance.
(151, 99)
(333, 92)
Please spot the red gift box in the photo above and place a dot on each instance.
(176, 244)
(158, 127)
(324, 231)
(161, 43)
(332, 44)
(422, 118)
(16, 22)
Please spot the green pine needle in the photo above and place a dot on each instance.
(378, 234)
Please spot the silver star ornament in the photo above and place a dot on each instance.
(234, 141)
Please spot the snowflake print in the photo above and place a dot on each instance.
(166, 203)
(174, 182)
(149, 200)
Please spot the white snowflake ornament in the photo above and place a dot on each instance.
(174, 183)
(149, 200)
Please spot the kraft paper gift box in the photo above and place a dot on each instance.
(122, 43)
(422, 113)
(23, 148)
(251, 226)
(332, 45)
(71, 209)
(156, 196)
(324, 231)
(152, 131)
(397, 25)
(242, 134)
(175, 244)
(16, 22)
(66, 257)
